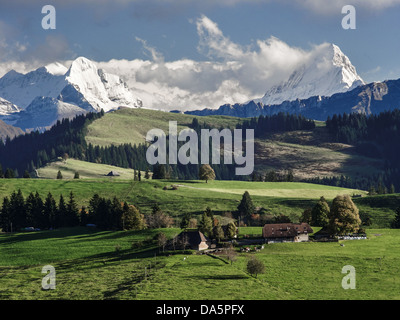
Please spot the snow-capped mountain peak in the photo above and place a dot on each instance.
(81, 86)
(326, 72)
(56, 69)
(100, 89)
(21, 89)
(43, 112)
(6, 107)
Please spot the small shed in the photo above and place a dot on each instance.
(287, 232)
(113, 174)
(192, 239)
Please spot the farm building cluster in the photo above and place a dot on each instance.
(271, 233)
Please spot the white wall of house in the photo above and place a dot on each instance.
(202, 246)
(302, 237)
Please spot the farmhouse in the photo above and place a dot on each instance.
(286, 232)
(192, 239)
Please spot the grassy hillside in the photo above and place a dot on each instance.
(195, 196)
(131, 125)
(89, 267)
(86, 170)
(308, 153)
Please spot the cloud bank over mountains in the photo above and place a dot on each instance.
(229, 73)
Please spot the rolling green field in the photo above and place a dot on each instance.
(96, 171)
(89, 267)
(86, 170)
(131, 125)
(274, 198)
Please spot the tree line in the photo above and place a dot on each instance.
(25, 153)
(381, 183)
(375, 136)
(281, 122)
(33, 150)
(342, 217)
(34, 212)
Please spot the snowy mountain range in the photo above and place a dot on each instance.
(371, 98)
(41, 97)
(327, 73)
(38, 99)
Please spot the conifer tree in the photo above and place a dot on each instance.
(218, 233)
(17, 210)
(185, 220)
(206, 225)
(62, 216)
(9, 174)
(72, 212)
(117, 212)
(320, 213)
(5, 216)
(49, 211)
(246, 206)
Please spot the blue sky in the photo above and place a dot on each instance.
(135, 29)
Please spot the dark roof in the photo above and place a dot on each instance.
(113, 173)
(285, 230)
(194, 237)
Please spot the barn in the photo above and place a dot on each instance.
(286, 232)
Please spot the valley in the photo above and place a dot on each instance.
(79, 193)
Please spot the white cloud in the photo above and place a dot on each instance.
(230, 73)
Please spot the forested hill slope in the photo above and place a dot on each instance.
(280, 146)
(287, 147)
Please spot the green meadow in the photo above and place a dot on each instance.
(88, 267)
(86, 170)
(273, 198)
(94, 265)
(131, 125)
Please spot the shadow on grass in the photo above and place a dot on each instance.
(15, 237)
(185, 181)
(78, 233)
(219, 277)
(108, 258)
